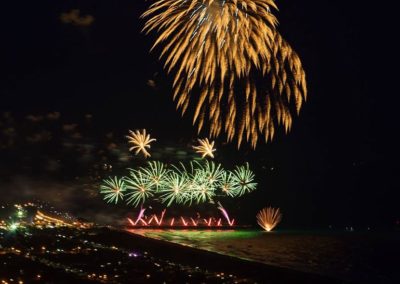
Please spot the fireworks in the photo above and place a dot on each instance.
(212, 173)
(205, 148)
(13, 226)
(139, 186)
(161, 220)
(268, 218)
(155, 172)
(140, 141)
(225, 213)
(202, 191)
(243, 179)
(21, 212)
(221, 50)
(206, 181)
(228, 185)
(197, 183)
(113, 188)
(175, 189)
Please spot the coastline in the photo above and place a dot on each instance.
(350, 257)
(214, 261)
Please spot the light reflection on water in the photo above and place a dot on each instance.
(343, 255)
(211, 240)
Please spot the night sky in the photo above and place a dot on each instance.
(337, 166)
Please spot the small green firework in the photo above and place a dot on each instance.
(139, 186)
(243, 178)
(175, 189)
(228, 185)
(156, 172)
(114, 189)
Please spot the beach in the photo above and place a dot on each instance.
(357, 257)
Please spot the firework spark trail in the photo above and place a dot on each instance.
(225, 213)
(217, 49)
(208, 222)
(159, 221)
(194, 222)
(139, 218)
(185, 221)
(141, 214)
(131, 222)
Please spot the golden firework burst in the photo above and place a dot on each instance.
(222, 51)
(205, 148)
(140, 141)
(268, 218)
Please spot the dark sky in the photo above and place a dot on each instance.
(337, 164)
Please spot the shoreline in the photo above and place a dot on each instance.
(336, 255)
(220, 262)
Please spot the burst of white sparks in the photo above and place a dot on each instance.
(140, 141)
